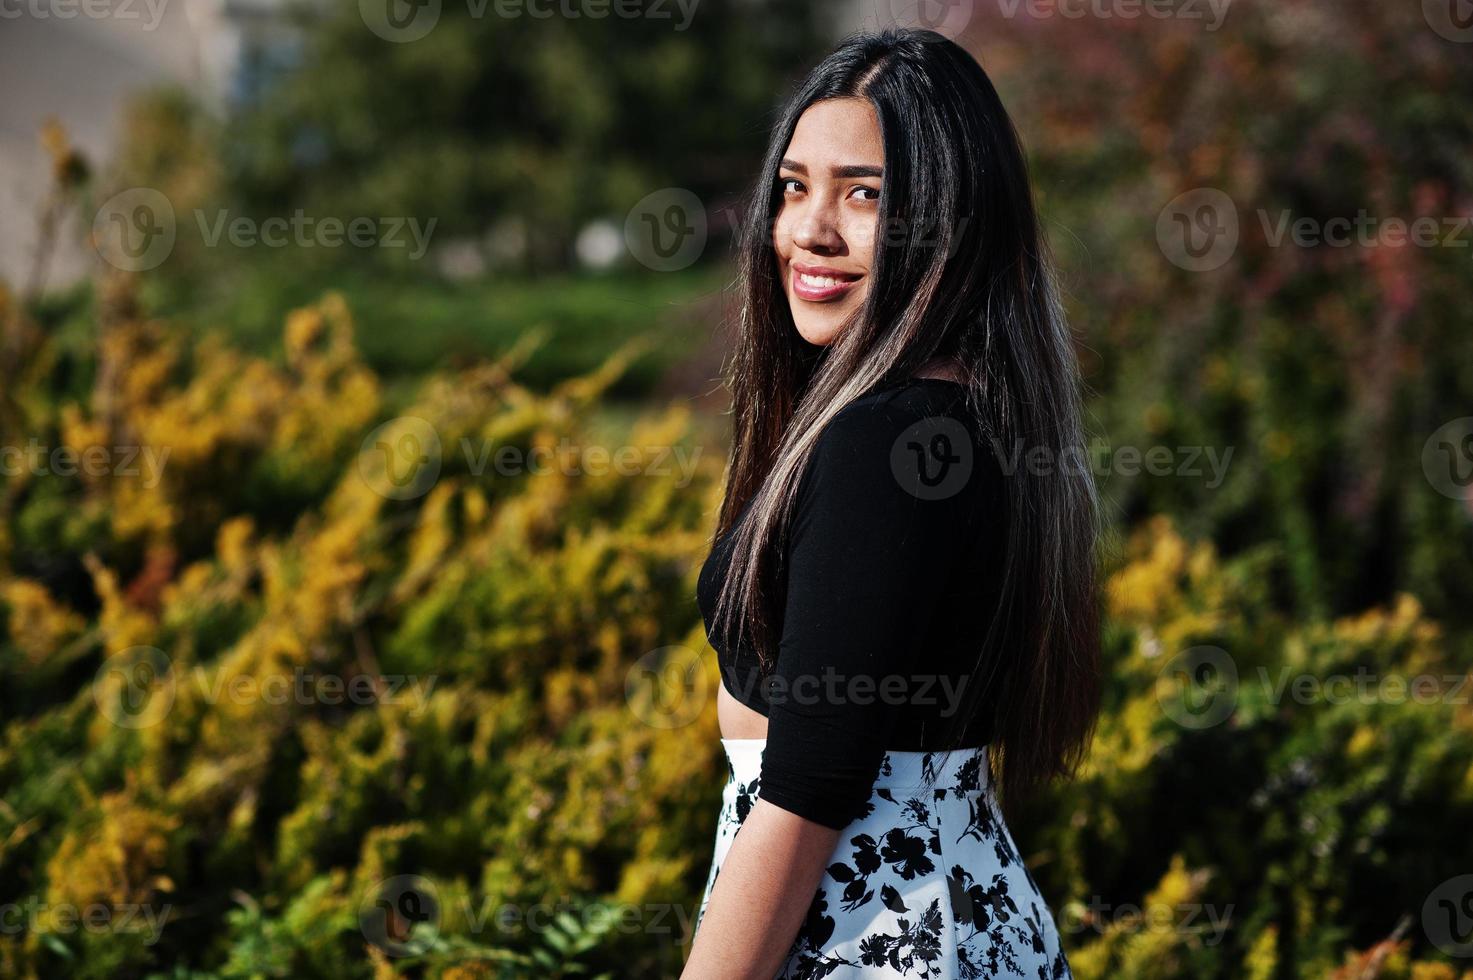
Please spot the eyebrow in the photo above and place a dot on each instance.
(853, 170)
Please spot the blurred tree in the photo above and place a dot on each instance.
(536, 124)
(1325, 365)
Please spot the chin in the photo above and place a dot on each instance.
(819, 335)
(821, 327)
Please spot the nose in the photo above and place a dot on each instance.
(816, 228)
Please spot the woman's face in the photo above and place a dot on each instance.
(826, 225)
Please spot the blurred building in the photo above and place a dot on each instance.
(57, 61)
(82, 62)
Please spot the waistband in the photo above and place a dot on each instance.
(960, 768)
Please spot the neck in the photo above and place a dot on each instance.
(945, 369)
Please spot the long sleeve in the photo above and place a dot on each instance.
(870, 551)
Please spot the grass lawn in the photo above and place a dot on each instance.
(408, 325)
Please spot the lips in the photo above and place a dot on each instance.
(821, 284)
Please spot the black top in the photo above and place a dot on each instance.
(891, 568)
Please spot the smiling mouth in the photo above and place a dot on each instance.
(820, 285)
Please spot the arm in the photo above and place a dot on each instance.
(866, 562)
(761, 896)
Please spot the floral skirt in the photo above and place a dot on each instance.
(926, 883)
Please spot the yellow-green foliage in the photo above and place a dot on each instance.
(1274, 816)
(535, 743)
(510, 768)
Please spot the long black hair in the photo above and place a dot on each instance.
(960, 272)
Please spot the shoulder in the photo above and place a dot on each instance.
(890, 411)
(914, 442)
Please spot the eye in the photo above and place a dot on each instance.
(790, 185)
(862, 190)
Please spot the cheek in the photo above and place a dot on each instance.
(861, 235)
(782, 237)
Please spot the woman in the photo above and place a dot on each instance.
(902, 591)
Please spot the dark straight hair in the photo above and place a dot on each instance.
(961, 272)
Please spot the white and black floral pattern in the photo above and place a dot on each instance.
(925, 883)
